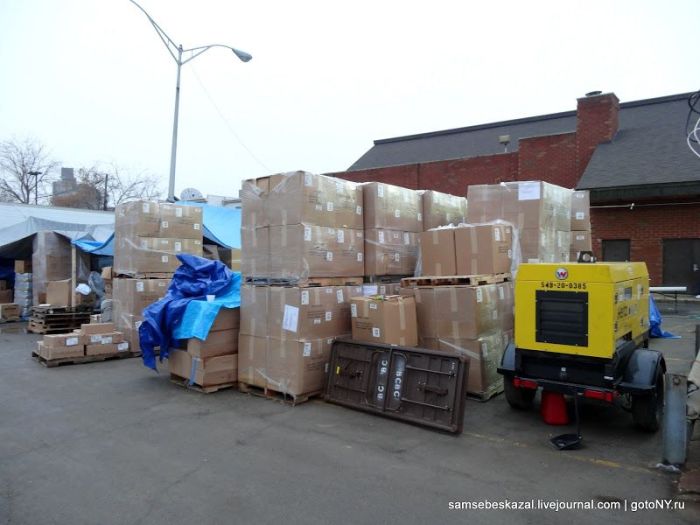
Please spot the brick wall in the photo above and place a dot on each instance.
(596, 122)
(646, 227)
(551, 158)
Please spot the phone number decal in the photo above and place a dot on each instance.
(562, 285)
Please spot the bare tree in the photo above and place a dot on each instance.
(25, 170)
(103, 187)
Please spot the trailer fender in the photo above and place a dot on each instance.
(507, 367)
(641, 371)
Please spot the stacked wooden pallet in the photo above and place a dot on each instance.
(58, 320)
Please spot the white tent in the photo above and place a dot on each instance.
(19, 223)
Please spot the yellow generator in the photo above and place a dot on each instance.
(582, 329)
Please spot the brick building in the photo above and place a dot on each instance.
(633, 157)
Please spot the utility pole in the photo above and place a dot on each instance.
(35, 174)
(104, 207)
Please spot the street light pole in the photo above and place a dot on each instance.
(176, 51)
(35, 174)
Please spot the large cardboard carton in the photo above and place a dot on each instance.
(96, 328)
(62, 340)
(390, 252)
(389, 320)
(152, 219)
(483, 249)
(426, 307)
(580, 210)
(303, 197)
(254, 301)
(6, 296)
(300, 251)
(212, 371)
(368, 289)
(58, 293)
(59, 352)
(101, 349)
(252, 360)
(130, 297)
(297, 367)
(23, 266)
(392, 208)
(231, 257)
(581, 242)
(9, 311)
(441, 209)
(227, 319)
(220, 342)
(255, 257)
(544, 245)
(138, 255)
(532, 205)
(437, 249)
(107, 338)
(51, 261)
(307, 313)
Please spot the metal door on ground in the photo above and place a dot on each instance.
(682, 264)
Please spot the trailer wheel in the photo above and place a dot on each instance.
(518, 398)
(647, 410)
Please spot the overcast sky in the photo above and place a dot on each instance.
(92, 81)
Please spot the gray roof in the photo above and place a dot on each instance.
(650, 145)
(649, 148)
(458, 143)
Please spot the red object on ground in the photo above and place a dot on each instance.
(553, 408)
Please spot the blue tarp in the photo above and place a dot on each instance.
(221, 225)
(184, 312)
(655, 329)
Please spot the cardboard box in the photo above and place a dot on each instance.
(254, 301)
(484, 355)
(153, 219)
(136, 255)
(130, 297)
(392, 207)
(300, 251)
(437, 249)
(378, 289)
(390, 252)
(297, 367)
(58, 293)
(52, 261)
(580, 210)
(302, 197)
(252, 359)
(23, 266)
(106, 273)
(221, 342)
(108, 338)
(441, 209)
(101, 349)
(307, 313)
(212, 371)
(227, 319)
(9, 311)
(483, 249)
(60, 352)
(63, 340)
(581, 242)
(532, 205)
(97, 328)
(231, 257)
(255, 256)
(544, 245)
(390, 320)
(6, 296)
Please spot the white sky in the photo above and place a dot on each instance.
(92, 81)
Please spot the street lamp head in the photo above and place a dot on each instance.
(245, 57)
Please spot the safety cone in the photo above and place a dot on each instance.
(553, 408)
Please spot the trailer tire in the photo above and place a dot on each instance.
(647, 409)
(518, 398)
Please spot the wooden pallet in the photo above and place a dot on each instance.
(456, 280)
(309, 282)
(58, 319)
(51, 310)
(9, 320)
(185, 383)
(79, 360)
(269, 393)
(146, 275)
(385, 279)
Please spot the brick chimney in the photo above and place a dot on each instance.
(596, 122)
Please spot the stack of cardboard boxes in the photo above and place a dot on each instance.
(91, 340)
(441, 209)
(393, 220)
(52, 262)
(148, 236)
(8, 312)
(212, 363)
(23, 296)
(298, 229)
(539, 211)
(5, 293)
(581, 240)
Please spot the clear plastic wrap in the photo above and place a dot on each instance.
(129, 298)
(441, 209)
(302, 251)
(149, 235)
(390, 252)
(255, 252)
(392, 207)
(580, 210)
(52, 261)
(23, 293)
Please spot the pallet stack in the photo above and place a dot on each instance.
(303, 258)
(148, 236)
(23, 287)
(91, 342)
(47, 319)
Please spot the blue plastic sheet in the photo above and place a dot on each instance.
(184, 312)
(221, 225)
(655, 329)
(88, 245)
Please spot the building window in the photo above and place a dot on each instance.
(616, 250)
